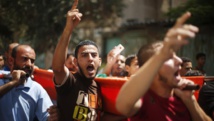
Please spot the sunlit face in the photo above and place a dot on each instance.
(132, 69)
(169, 72)
(25, 57)
(69, 63)
(186, 67)
(118, 66)
(88, 61)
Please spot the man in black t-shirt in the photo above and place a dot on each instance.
(78, 95)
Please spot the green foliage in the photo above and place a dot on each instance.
(201, 11)
(41, 22)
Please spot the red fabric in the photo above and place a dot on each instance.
(156, 108)
(45, 78)
(110, 87)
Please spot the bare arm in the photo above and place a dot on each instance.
(187, 96)
(7, 87)
(112, 58)
(59, 69)
(138, 85)
(196, 112)
(16, 74)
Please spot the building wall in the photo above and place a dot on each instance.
(142, 10)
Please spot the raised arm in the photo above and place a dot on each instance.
(112, 58)
(59, 69)
(139, 84)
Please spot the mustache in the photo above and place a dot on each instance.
(27, 69)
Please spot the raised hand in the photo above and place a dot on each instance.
(112, 55)
(18, 77)
(73, 16)
(74, 6)
(177, 36)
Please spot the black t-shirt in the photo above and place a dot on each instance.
(79, 99)
(206, 98)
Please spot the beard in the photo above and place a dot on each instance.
(162, 78)
(166, 81)
(81, 73)
(27, 69)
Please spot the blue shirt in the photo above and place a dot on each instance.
(6, 68)
(24, 102)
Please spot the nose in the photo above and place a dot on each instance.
(28, 62)
(119, 62)
(90, 57)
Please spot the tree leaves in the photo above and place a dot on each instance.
(40, 23)
(201, 11)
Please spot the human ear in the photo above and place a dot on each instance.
(127, 68)
(11, 61)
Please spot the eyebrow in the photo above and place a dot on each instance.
(28, 57)
(89, 52)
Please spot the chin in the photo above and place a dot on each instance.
(90, 78)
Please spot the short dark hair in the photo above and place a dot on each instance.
(82, 43)
(199, 55)
(185, 59)
(129, 59)
(14, 50)
(147, 51)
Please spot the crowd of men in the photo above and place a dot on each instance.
(153, 92)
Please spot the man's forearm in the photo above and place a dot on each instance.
(196, 112)
(107, 69)
(61, 50)
(7, 87)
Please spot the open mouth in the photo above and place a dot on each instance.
(176, 73)
(90, 68)
(27, 70)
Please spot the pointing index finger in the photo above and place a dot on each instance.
(181, 20)
(74, 6)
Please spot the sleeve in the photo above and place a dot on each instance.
(44, 102)
(64, 80)
(67, 86)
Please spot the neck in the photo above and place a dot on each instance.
(85, 79)
(161, 89)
